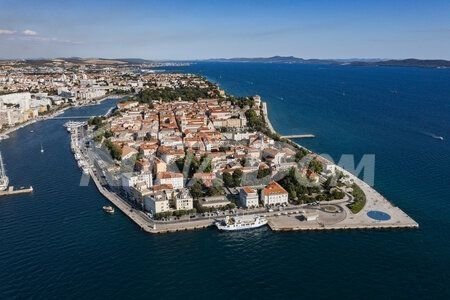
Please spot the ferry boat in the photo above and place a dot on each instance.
(241, 223)
(108, 209)
(4, 180)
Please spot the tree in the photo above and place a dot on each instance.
(180, 163)
(108, 134)
(230, 206)
(95, 121)
(227, 179)
(237, 177)
(255, 122)
(315, 166)
(338, 194)
(300, 154)
(214, 191)
(263, 172)
(197, 189)
(114, 150)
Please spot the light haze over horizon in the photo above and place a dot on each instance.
(225, 29)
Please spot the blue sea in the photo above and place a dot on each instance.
(58, 243)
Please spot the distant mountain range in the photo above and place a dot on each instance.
(429, 63)
(426, 63)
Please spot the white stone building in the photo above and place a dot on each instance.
(172, 178)
(274, 194)
(248, 197)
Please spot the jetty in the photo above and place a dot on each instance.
(12, 191)
(298, 136)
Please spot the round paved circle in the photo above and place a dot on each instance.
(330, 208)
(378, 215)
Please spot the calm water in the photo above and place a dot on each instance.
(58, 242)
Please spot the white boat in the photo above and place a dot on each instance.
(42, 149)
(241, 223)
(109, 209)
(4, 180)
(85, 169)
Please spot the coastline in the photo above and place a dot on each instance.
(5, 134)
(374, 202)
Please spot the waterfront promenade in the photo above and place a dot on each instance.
(143, 221)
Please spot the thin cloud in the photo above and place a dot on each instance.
(29, 32)
(31, 35)
(49, 40)
(6, 32)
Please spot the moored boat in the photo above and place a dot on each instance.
(108, 209)
(241, 223)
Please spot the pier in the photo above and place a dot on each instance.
(12, 191)
(298, 136)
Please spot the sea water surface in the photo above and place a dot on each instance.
(58, 243)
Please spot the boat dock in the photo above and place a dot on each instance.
(298, 136)
(12, 191)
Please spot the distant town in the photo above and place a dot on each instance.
(179, 153)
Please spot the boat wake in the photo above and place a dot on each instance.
(434, 136)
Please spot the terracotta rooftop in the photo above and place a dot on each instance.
(248, 190)
(274, 188)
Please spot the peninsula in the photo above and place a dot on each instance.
(182, 154)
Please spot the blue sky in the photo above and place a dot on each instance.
(212, 29)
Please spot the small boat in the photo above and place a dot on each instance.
(108, 209)
(31, 131)
(437, 137)
(42, 149)
(241, 223)
(85, 169)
